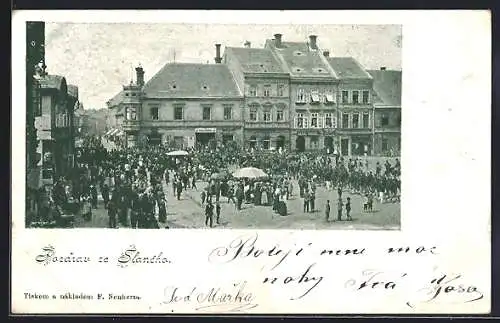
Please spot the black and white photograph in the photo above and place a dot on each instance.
(144, 126)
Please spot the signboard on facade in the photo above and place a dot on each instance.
(205, 130)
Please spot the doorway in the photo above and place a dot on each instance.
(204, 138)
(300, 143)
(329, 144)
(344, 147)
(280, 142)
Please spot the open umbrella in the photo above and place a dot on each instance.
(178, 153)
(249, 172)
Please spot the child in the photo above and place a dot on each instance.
(348, 209)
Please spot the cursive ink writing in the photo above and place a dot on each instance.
(372, 279)
(447, 286)
(48, 255)
(233, 299)
(303, 278)
(245, 247)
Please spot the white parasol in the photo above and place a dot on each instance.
(178, 153)
(249, 172)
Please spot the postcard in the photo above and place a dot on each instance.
(251, 162)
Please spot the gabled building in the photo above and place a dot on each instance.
(355, 113)
(266, 90)
(387, 111)
(313, 92)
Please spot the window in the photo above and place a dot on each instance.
(345, 120)
(314, 142)
(281, 90)
(131, 113)
(301, 121)
(253, 114)
(253, 142)
(329, 97)
(179, 142)
(329, 120)
(355, 97)
(314, 96)
(153, 112)
(384, 120)
(178, 112)
(301, 97)
(280, 115)
(345, 97)
(266, 143)
(355, 120)
(228, 112)
(226, 138)
(314, 120)
(366, 97)
(267, 90)
(267, 115)
(252, 90)
(207, 113)
(366, 120)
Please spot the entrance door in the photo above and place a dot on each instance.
(204, 138)
(280, 142)
(344, 147)
(300, 143)
(154, 139)
(329, 144)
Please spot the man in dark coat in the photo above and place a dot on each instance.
(209, 214)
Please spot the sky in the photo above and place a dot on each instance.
(100, 58)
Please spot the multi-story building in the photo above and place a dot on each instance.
(54, 128)
(183, 105)
(313, 92)
(355, 113)
(387, 111)
(265, 84)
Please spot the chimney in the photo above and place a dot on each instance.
(218, 58)
(312, 42)
(326, 53)
(248, 44)
(139, 72)
(383, 68)
(277, 40)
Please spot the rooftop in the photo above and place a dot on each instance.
(387, 86)
(52, 82)
(256, 60)
(348, 68)
(301, 60)
(183, 80)
(117, 99)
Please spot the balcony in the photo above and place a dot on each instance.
(267, 125)
(131, 125)
(62, 120)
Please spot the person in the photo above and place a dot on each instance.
(112, 214)
(105, 194)
(179, 189)
(209, 213)
(193, 182)
(312, 198)
(348, 209)
(339, 209)
(162, 209)
(217, 212)
(87, 208)
(327, 210)
(203, 196)
(306, 202)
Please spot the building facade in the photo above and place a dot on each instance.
(313, 91)
(387, 111)
(266, 91)
(289, 95)
(183, 105)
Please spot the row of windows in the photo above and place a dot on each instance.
(328, 97)
(267, 115)
(266, 90)
(315, 120)
(154, 113)
(355, 120)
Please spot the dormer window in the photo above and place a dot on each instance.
(297, 53)
(174, 86)
(204, 87)
(297, 69)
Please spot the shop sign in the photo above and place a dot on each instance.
(205, 130)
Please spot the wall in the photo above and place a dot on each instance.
(393, 114)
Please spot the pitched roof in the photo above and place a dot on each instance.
(117, 99)
(347, 68)
(73, 90)
(387, 86)
(301, 60)
(183, 80)
(52, 82)
(256, 60)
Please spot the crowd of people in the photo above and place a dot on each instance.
(132, 182)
